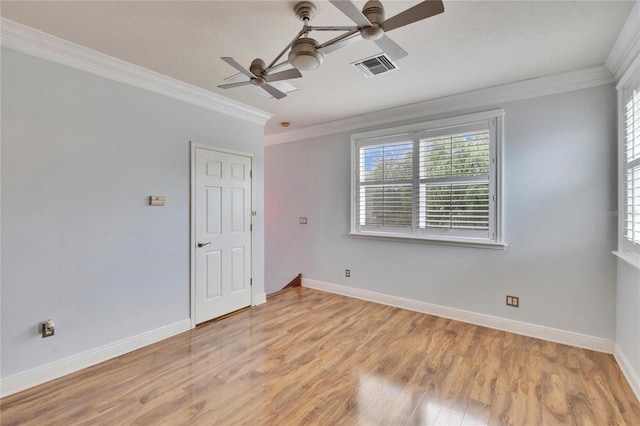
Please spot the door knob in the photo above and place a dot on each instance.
(203, 244)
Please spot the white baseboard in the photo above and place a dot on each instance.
(518, 327)
(629, 373)
(37, 376)
(260, 298)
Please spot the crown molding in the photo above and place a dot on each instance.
(492, 96)
(627, 45)
(36, 43)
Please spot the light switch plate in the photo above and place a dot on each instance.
(157, 200)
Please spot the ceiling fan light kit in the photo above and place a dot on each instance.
(373, 32)
(374, 12)
(306, 54)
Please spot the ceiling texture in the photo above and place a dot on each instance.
(472, 45)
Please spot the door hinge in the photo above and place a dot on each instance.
(251, 228)
(250, 173)
(250, 281)
(493, 198)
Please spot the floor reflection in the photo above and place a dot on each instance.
(384, 401)
(312, 358)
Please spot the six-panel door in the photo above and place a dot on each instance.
(223, 233)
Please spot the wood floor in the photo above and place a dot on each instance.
(308, 357)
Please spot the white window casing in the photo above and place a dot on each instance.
(629, 165)
(437, 181)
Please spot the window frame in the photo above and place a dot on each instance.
(629, 82)
(417, 132)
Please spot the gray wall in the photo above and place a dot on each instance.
(80, 156)
(628, 314)
(559, 179)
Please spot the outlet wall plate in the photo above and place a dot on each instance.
(513, 301)
(47, 331)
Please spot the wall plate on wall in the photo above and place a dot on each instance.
(157, 200)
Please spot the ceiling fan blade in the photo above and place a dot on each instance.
(390, 47)
(340, 44)
(273, 91)
(352, 12)
(416, 13)
(230, 85)
(237, 66)
(283, 75)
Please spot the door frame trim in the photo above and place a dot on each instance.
(192, 221)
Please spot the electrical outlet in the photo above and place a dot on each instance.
(302, 220)
(48, 328)
(513, 301)
(347, 273)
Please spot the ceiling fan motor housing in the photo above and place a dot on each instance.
(257, 67)
(374, 11)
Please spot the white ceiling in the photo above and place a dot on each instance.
(472, 45)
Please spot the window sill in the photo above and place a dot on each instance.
(460, 242)
(631, 258)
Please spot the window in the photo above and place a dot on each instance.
(436, 181)
(630, 222)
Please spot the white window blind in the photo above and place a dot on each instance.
(386, 178)
(631, 125)
(454, 181)
(433, 181)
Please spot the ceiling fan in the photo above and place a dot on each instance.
(372, 24)
(259, 76)
(306, 54)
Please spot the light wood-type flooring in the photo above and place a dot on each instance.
(309, 357)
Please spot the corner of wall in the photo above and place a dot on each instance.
(627, 46)
(628, 371)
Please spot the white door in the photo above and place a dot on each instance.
(222, 233)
